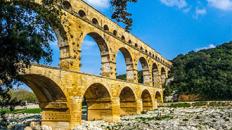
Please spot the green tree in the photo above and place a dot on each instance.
(207, 73)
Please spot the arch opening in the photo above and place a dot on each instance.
(95, 57)
(81, 13)
(143, 75)
(51, 99)
(155, 75)
(124, 69)
(147, 101)
(163, 75)
(46, 90)
(123, 38)
(106, 28)
(127, 102)
(98, 103)
(158, 97)
(95, 21)
(67, 5)
(115, 33)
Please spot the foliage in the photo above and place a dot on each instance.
(140, 76)
(18, 111)
(25, 33)
(121, 13)
(207, 73)
(176, 105)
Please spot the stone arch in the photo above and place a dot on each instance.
(115, 33)
(82, 13)
(106, 28)
(127, 101)
(51, 97)
(45, 89)
(99, 104)
(163, 75)
(95, 21)
(136, 45)
(129, 63)
(104, 51)
(155, 74)
(67, 5)
(158, 97)
(145, 70)
(146, 100)
(123, 38)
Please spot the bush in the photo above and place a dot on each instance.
(200, 103)
(175, 105)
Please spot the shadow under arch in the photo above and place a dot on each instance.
(163, 75)
(147, 100)
(45, 89)
(155, 74)
(129, 63)
(52, 100)
(128, 102)
(98, 103)
(145, 70)
(104, 52)
(158, 97)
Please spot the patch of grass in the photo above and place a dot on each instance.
(200, 103)
(175, 105)
(18, 111)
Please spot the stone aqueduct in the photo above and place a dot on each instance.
(61, 91)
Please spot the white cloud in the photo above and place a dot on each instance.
(181, 4)
(200, 12)
(207, 47)
(99, 3)
(221, 4)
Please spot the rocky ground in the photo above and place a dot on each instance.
(162, 119)
(170, 119)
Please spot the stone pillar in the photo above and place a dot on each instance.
(75, 111)
(147, 77)
(116, 109)
(155, 78)
(139, 106)
(155, 104)
(132, 75)
(108, 67)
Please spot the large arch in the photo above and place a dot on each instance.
(104, 52)
(155, 75)
(52, 100)
(145, 70)
(163, 75)
(158, 97)
(129, 65)
(98, 101)
(45, 89)
(147, 100)
(128, 102)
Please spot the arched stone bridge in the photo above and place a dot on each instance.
(63, 91)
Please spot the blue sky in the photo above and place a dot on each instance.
(171, 27)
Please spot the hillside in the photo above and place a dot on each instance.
(206, 73)
(140, 77)
(23, 95)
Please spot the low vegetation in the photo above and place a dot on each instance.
(18, 111)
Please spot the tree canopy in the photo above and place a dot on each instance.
(207, 73)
